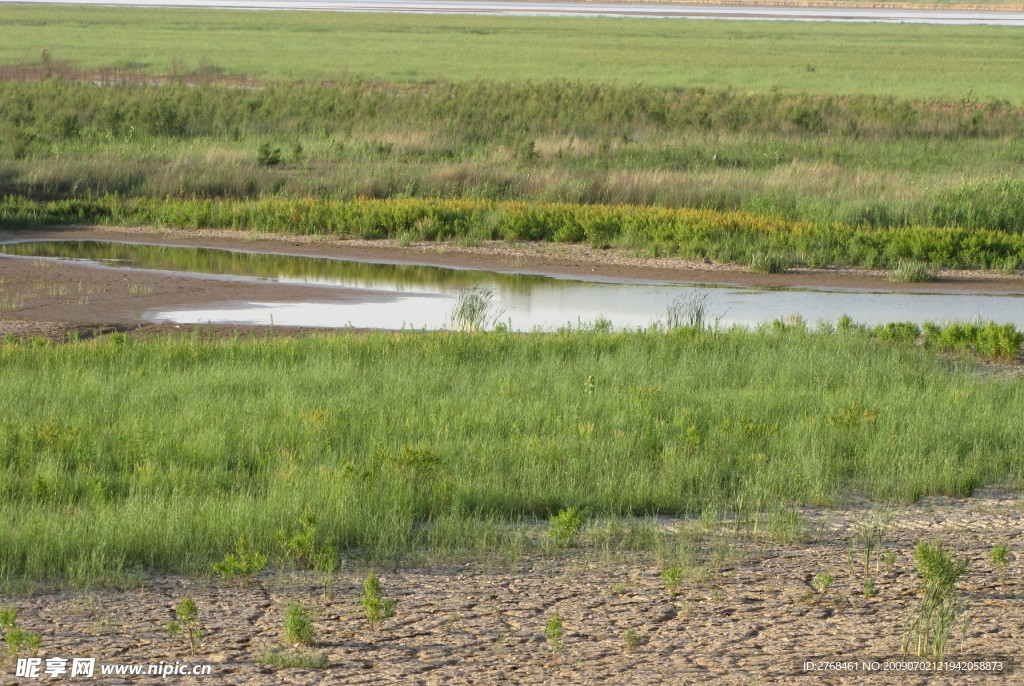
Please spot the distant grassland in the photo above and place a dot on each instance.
(156, 455)
(911, 61)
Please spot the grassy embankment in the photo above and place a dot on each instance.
(155, 455)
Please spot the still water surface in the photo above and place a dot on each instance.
(417, 296)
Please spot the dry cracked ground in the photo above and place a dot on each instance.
(745, 612)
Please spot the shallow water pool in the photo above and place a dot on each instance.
(417, 296)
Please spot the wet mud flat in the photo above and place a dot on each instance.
(74, 294)
(744, 613)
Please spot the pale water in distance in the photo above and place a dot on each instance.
(393, 296)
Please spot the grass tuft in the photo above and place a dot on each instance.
(298, 625)
(769, 263)
(910, 271)
(475, 310)
(284, 659)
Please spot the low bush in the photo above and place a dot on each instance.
(242, 565)
(991, 340)
(564, 528)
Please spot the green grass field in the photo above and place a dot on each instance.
(937, 62)
(156, 455)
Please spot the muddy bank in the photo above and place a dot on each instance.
(75, 297)
(552, 259)
(745, 612)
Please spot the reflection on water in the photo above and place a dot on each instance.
(426, 295)
(284, 268)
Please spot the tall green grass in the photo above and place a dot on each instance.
(122, 454)
(66, 109)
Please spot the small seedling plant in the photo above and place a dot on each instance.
(927, 630)
(298, 625)
(672, 577)
(999, 558)
(866, 539)
(554, 631)
(631, 640)
(299, 633)
(500, 641)
(376, 607)
(186, 626)
(242, 565)
(888, 559)
(17, 639)
(822, 583)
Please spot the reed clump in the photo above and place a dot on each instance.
(910, 271)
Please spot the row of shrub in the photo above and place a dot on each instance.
(688, 233)
(61, 109)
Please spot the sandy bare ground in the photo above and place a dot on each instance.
(746, 614)
(58, 298)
